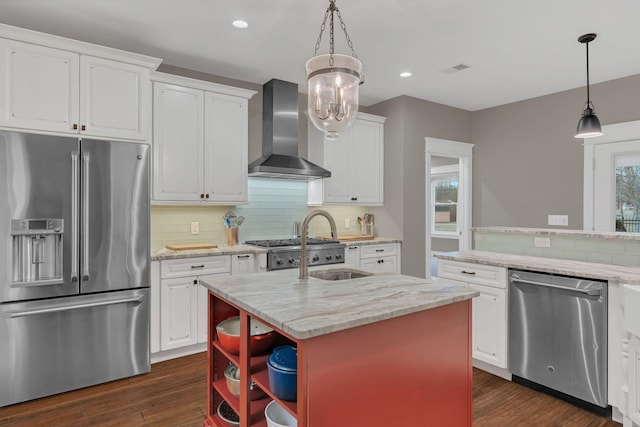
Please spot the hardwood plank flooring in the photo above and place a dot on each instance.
(174, 394)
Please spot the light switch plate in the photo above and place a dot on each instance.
(195, 227)
(347, 223)
(558, 220)
(542, 242)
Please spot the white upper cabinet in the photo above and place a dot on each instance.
(178, 138)
(200, 141)
(40, 87)
(225, 147)
(356, 162)
(114, 99)
(52, 84)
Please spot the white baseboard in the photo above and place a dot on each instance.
(500, 372)
(177, 352)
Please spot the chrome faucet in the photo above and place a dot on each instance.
(304, 266)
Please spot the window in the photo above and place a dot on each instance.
(627, 192)
(444, 200)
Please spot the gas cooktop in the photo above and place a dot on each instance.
(289, 242)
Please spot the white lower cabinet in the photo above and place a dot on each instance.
(383, 257)
(632, 327)
(489, 325)
(352, 255)
(179, 308)
(489, 309)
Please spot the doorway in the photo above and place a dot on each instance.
(612, 179)
(448, 196)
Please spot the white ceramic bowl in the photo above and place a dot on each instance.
(277, 416)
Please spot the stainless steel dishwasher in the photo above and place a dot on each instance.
(558, 334)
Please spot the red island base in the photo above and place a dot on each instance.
(412, 370)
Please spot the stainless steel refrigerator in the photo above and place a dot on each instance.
(74, 263)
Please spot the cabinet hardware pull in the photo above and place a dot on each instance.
(75, 126)
(197, 266)
(473, 273)
(243, 256)
(202, 196)
(83, 127)
(379, 250)
(206, 196)
(352, 247)
(195, 281)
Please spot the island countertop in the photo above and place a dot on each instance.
(317, 307)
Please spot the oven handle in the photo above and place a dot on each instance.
(589, 292)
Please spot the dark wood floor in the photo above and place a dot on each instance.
(174, 394)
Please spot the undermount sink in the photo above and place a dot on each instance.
(339, 274)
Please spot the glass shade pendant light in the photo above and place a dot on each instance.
(589, 125)
(333, 82)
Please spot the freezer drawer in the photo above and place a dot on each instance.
(56, 345)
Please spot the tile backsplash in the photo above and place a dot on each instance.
(274, 204)
(606, 248)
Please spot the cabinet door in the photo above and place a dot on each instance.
(225, 148)
(337, 154)
(490, 325)
(352, 255)
(203, 307)
(381, 265)
(366, 174)
(243, 264)
(39, 87)
(178, 312)
(178, 140)
(114, 99)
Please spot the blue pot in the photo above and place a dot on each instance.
(283, 372)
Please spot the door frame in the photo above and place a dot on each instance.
(617, 132)
(463, 151)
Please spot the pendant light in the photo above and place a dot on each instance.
(589, 125)
(333, 82)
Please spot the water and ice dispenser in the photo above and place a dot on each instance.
(37, 251)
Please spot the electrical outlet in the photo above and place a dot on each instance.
(347, 223)
(542, 242)
(195, 227)
(558, 220)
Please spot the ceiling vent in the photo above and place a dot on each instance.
(455, 68)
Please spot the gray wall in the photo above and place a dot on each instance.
(409, 121)
(526, 162)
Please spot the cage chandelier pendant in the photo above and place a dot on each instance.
(589, 124)
(333, 81)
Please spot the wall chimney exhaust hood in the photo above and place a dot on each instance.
(280, 136)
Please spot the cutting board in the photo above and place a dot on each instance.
(191, 246)
(350, 237)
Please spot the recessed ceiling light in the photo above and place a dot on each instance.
(406, 74)
(240, 24)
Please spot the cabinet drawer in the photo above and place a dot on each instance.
(372, 251)
(480, 274)
(195, 266)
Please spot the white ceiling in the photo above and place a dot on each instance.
(516, 49)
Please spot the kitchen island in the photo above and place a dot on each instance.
(380, 350)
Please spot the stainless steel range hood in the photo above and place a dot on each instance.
(280, 136)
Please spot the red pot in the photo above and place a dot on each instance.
(262, 336)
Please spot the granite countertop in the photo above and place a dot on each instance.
(558, 232)
(318, 307)
(627, 275)
(375, 241)
(164, 253)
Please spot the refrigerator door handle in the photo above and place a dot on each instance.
(136, 300)
(85, 217)
(74, 215)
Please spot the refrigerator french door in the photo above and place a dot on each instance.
(74, 263)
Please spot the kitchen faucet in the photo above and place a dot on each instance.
(304, 267)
